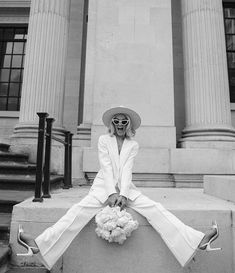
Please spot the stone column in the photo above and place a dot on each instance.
(44, 74)
(208, 116)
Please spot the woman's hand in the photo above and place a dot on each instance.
(112, 200)
(121, 202)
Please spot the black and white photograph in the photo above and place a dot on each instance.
(117, 136)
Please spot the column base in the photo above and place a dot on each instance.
(83, 137)
(223, 138)
(81, 140)
(25, 131)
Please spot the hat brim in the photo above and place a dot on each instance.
(108, 115)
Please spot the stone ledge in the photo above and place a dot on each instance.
(175, 161)
(220, 186)
(144, 251)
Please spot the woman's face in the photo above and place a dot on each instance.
(120, 123)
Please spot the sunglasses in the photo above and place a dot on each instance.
(120, 121)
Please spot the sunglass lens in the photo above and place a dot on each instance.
(116, 121)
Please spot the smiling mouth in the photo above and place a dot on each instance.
(120, 129)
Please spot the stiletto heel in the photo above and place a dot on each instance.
(29, 248)
(207, 245)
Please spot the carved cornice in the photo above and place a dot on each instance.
(14, 14)
(15, 3)
(14, 20)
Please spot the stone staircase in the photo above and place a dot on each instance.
(17, 182)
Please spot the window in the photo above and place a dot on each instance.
(229, 23)
(12, 53)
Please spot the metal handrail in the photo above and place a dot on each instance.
(47, 134)
(39, 167)
(46, 184)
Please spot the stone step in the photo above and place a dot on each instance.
(5, 222)
(4, 147)
(27, 270)
(14, 157)
(4, 258)
(9, 198)
(10, 167)
(7, 205)
(25, 182)
(160, 180)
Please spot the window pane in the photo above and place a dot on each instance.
(229, 12)
(14, 89)
(23, 56)
(18, 48)
(22, 74)
(231, 59)
(8, 34)
(19, 33)
(230, 26)
(25, 45)
(232, 82)
(3, 89)
(12, 104)
(4, 76)
(15, 75)
(7, 61)
(9, 48)
(3, 103)
(3, 48)
(16, 61)
(232, 94)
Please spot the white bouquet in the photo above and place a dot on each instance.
(115, 225)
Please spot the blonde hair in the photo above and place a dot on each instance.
(130, 132)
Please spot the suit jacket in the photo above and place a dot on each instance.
(115, 174)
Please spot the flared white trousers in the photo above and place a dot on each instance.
(181, 239)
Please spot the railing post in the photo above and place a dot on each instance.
(46, 182)
(70, 159)
(66, 161)
(39, 168)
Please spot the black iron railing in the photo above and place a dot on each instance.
(42, 184)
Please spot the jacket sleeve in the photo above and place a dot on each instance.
(126, 177)
(106, 166)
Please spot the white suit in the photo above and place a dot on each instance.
(115, 175)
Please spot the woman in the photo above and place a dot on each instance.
(113, 186)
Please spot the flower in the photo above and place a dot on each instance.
(115, 225)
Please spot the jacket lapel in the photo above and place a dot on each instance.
(125, 151)
(114, 149)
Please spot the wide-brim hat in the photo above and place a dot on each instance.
(108, 115)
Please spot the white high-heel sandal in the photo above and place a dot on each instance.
(207, 246)
(29, 248)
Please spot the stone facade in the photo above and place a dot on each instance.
(154, 56)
